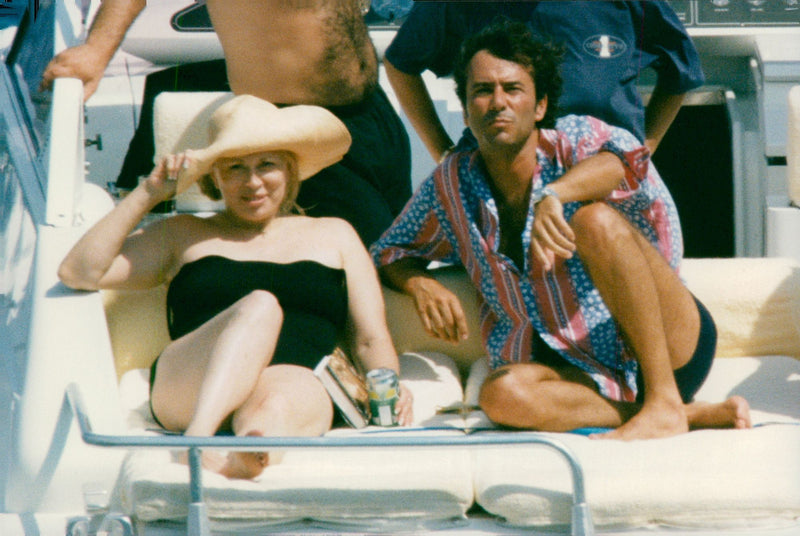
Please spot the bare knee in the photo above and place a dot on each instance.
(600, 232)
(259, 306)
(258, 300)
(492, 396)
(509, 396)
(598, 225)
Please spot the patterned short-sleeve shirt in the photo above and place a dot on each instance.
(453, 218)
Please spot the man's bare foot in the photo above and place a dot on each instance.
(732, 413)
(653, 421)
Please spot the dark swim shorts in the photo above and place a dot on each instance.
(689, 377)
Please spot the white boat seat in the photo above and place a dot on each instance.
(709, 478)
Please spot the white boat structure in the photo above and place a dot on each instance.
(79, 454)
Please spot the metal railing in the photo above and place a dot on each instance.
(197, 521)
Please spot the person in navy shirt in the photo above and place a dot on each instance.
(606, 47)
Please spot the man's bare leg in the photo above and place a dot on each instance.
(732, 413)
(538, 397)
(655, 311)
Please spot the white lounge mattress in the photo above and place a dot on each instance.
(708, 478)
(715, 478)
(335, 485)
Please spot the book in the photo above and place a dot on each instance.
(346, 386)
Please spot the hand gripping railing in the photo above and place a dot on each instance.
(197, 521)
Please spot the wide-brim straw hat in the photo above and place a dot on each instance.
(246, 124)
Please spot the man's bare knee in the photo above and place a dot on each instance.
(509, 389)
(598, 224)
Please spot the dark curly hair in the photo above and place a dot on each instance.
(513, 41)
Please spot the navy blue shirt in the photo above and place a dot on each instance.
(607, 45)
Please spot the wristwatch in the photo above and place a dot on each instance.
(541, 193)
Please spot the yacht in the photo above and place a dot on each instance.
(80, 455)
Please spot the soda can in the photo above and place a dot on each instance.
(384, 392)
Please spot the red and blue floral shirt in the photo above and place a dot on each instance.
(453, 218)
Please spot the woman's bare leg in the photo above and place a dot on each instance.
(205, 375)
(202, 377)
(288, 401)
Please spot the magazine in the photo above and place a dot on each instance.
(346, 386)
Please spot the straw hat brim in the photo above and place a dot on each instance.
(246, 125)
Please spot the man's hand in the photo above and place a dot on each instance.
(83, 62)
(551, 236)
(439, 309)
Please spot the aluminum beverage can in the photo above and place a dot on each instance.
(384, 392)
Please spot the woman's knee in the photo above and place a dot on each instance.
(259, 305)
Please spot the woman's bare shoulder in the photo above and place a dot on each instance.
(337, 229)
(325, 225)
(177, 221)
(190, 223)
(326, 232)
(181, 230)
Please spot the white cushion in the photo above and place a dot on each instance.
(712, 478)
(771, 385)
(755, 303)
(334, 485)
(180, 122)
(331, 485)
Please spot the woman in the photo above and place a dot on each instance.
(256, 297)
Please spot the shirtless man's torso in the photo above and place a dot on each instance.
(296, 51)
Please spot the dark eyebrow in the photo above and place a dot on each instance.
(481, 84)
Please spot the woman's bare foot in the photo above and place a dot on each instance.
(241, 465)
(244, 465)
(652, 421)
(732, 413)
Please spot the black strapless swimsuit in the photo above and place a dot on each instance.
(313, 298)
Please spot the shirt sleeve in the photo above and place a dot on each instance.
(416, 232)
(422, 41)
(587, 136)
(670, 49)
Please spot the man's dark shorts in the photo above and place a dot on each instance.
(689, 377)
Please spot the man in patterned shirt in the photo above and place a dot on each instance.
(574, 244)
